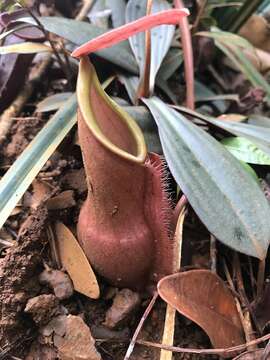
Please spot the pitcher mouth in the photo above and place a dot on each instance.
(88, 81)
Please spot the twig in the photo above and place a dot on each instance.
(241, 289)
(188, 57)
(140, 325)
(199, 15)
(213, 253)
(6, 119)
(16, 107)
(62, 64)
(84, 10)
(266, 352)
(236, 296)
(169, 325)
(260, 278)
(222, 352)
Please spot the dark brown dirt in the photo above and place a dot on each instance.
(19, 279)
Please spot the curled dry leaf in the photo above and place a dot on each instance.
(256, 30)
(204, 298)
(75, 262)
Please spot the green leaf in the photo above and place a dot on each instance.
(172, 61)
(225, 197)
(161, 37)
(259, 135)
(226, 37)
(118, 8)
(250, 170)
(231, 45)
(79, 32)
(201, 90)
(246, 150)
(53, 102)
(236, 55)
(21, 174)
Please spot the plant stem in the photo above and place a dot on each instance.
(143, 90)
(140, 325)
(188, 57)
(260, 278)
(55, 51)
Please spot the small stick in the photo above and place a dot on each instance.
(169, 17)
(140, 325)
(266, 352)
(6, 119)
(169, 325)
(199, 15)
(249, 333)
(218, 351)
(213, 253)
(252, 278)
(260, 278)
(16, 107)
(237, 302)
(222, 352)
(84, 10)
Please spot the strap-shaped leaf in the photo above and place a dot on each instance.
(25, 48)
(225, 197)
(259, 135)
(21, 174)
(161, 36)
(79, 32)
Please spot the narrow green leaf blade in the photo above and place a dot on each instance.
(258, 134)
(225, 197)
(245, 150)
(53, 102)
(79, 32)
(21, 174)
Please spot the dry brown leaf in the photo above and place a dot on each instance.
(259, 58)
(256, 30)
(64, 200)
(75, 262)
(204, 298)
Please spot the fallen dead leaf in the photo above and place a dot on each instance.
(75, 262)
(76, 180)
(63, 200)
(204, 298)
(124, 304)
(257, 30)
